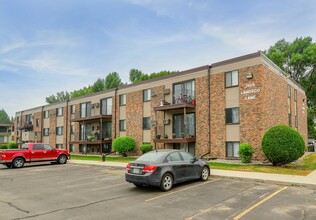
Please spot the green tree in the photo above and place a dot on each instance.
(298, 59)
(112, 80)
(60, 96)
(4, 118)
(98, 85)
(135, 75)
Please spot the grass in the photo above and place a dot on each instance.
(99, 158)
(305, 167)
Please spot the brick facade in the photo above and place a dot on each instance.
(262, 101)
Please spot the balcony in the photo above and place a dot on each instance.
(175, 140)
(27, 126)
(92, 118)
(96, 142)
(183, 101)
(28, 136)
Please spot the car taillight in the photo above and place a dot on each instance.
(128, 167)
(3, 156)
(149, 169)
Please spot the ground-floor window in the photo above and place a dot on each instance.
(59, 146)
(106, 148)
(232, 148)
(188, 147)
(72, 148)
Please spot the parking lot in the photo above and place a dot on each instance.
(48, 191)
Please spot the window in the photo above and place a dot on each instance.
(38, 147)
(173, 157)
(296, 121)
(72, 148)
(295, 95)
(73, 109)
(46, 131)
(48, 147)
(147, 95)
(122, 100)
(146, 123)
(231, 78)
(232, 116)
(178, 124)
(46, 114)
(107, 129)
(289, 91)
(72, 129)
(28, 119)
(85, 109)
(122, 125)
(186, 156)
(106, 106)
(18, 120)
(59, 130)
(232, 149)
(183, 92)
(60, 111)
(59, 146)
(290, 120)
(37, 122)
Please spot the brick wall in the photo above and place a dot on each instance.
(52, 127)
(217, 108)
(158, 116)
(38, 129)
(201, 114)
(134, 118)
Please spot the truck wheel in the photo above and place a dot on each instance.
(18, 162)
(62, 159)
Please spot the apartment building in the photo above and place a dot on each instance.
(6, 133)
(207, 111)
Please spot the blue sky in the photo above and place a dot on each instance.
(48, 46)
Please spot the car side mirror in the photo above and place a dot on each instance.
(194, 159)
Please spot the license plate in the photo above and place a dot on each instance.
(136, 171)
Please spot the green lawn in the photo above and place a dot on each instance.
(307, 165)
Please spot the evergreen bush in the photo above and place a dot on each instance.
(282, 145)
(245, 152)
(124, 144)
(146, 147)
(3, 146)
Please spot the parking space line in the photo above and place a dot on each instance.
(174, 192)
(259, 203)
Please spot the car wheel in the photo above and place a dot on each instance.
(18, 162)
(8, 165)
(62, 159)
(166, 182)
(205, 174)
(138, 185)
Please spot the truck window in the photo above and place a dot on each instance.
(38, 147)
(47, 147)
(25, 146)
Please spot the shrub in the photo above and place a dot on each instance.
(3, 146)
(146, 147)
(245, 152)
(124, 145)
(12, 145)
(282, 145)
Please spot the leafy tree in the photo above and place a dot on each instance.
(60, 96)
(135, 75)
(98, 85)
(82, 92)
(112, 80)
(4, 118)
(124, 144)
(298, 58)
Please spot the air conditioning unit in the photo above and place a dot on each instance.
(166, 121)
(97, 105)
(153, 93)
(92, 106)
(153, 122)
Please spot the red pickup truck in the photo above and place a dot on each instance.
(33, 152)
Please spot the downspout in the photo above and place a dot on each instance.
(115, 107)
(209, 108)
(67, 124)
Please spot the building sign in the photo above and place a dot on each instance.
(250, 91)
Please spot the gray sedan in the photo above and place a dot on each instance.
(163, 168)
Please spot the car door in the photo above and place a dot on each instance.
(174, 160)
(37, 152)
(192, 169)
(51, 153)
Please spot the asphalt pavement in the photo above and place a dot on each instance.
(308, 181)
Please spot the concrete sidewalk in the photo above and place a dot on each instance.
(280, 179)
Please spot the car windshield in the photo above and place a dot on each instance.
(151, 156)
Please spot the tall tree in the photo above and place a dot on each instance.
(60, 96)
(298, 58)
(112, 80)
(135, 75)
(98, 85)
(4, 118)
